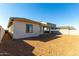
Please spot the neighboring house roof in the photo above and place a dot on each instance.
(12, 19)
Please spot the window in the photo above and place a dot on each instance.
(29, 28)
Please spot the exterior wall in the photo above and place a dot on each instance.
(1, 33)
(11, 28)
(20, 30)
(68, 32)
(41, 30)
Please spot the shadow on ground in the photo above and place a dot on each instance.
(10, 47)
(45, 37)
(18, 47)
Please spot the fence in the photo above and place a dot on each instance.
(68, 32)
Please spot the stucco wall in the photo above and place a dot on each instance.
(1, 33)
(20, 30)
(41, 30)
(11, 28)
(67, 32)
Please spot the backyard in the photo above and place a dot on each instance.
(44, 45)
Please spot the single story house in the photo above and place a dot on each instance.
(24, 28)
(2, 31)
(52, 26)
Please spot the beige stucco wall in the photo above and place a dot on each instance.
(20, 30)
(2, 31)
(11, 28)
(69, 32)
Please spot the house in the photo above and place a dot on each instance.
(2, 31)
(49, 27)
(23, 28)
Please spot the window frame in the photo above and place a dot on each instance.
(29, 31)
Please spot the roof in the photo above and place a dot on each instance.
(12, 19)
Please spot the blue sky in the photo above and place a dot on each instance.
(60, 14)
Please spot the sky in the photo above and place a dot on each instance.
(58, 13)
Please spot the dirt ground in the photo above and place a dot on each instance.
(47, 45)
(63, 45)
